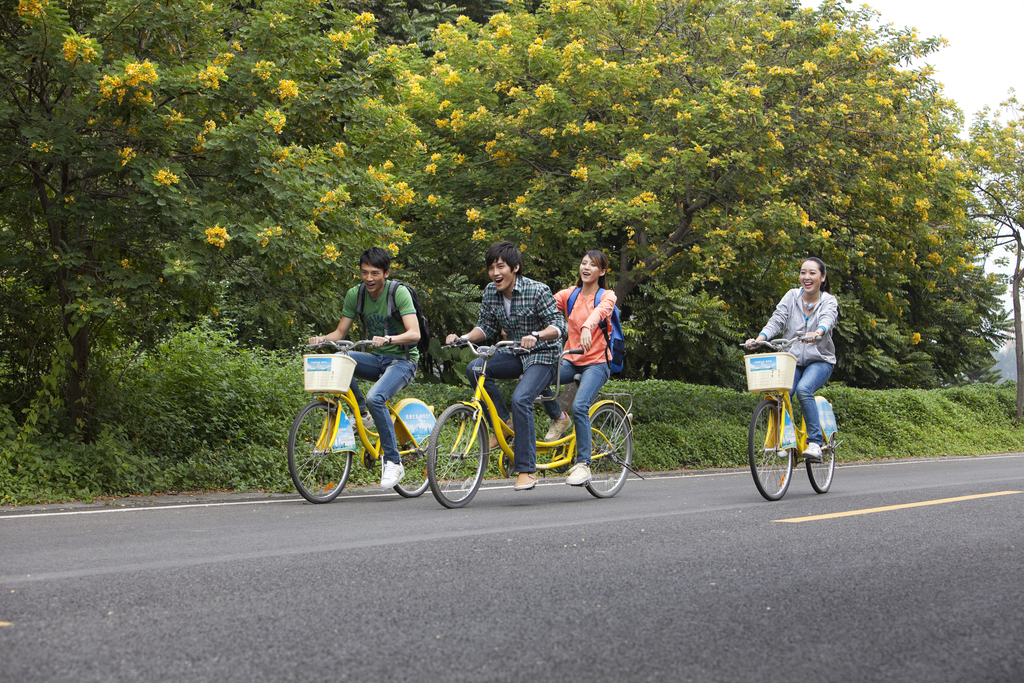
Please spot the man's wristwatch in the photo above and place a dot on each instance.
(387, 338)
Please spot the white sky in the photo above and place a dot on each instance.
(982, 61)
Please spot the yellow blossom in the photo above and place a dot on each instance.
(79, 47)
(217, 236)
(126, 154)
(473, 215)
(287, 89)
(165, 177)
(32, 9)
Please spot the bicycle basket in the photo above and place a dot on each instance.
(329, 374)
(770, 371)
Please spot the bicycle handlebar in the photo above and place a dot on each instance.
(491, 350)
(778, 344)
(344, 345)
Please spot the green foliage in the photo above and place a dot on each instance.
(159, 157)
(707, 147)
(201, 412)
(204, 392)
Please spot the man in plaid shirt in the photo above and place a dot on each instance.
(526, 311)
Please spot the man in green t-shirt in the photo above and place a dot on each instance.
(388, 365)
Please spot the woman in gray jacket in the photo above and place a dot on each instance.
(808, 311)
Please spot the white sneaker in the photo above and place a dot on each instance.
(557, 428)
(368, 421)
(579, 475)
(393, 473)
(812, 453)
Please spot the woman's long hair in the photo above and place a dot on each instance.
(598, 257)
(825, 287)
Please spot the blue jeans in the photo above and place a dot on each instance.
(806, 382)
(534, 380)
(592, 378)
(391, 374)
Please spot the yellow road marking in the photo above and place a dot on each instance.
(6, 623)
(868, 511)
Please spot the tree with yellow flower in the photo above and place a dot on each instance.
(205, 145)
(707, 147)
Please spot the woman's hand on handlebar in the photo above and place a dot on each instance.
(752, 343)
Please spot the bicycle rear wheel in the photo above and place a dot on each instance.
(414, 483)
(318, 471)
(771, 466)
(611, 450)
(456, 461)
(820, 473)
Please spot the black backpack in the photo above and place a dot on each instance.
(424, 343)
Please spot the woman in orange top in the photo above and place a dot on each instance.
(592, 366)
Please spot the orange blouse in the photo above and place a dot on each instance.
(584, 315)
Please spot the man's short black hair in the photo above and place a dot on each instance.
(507, 252)
(376, 257)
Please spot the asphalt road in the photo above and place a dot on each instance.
(678, 578)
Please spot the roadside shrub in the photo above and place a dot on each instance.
(201, 412)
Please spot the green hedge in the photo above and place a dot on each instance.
(204, 413)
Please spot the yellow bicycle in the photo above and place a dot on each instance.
(322, 441)
(458, 453)
(775, 443)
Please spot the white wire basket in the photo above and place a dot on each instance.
(770, 371)
(327, 374)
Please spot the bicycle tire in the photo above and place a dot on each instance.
(611, 450)
(455, 465)
(772, 471)
(820, 473)
(319, 473)
(415, 482)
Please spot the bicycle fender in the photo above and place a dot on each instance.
(826, 417)
(607, 401)
(414, 420)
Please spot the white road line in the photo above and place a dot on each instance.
(183, 506)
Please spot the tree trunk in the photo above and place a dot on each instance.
(1018, 275)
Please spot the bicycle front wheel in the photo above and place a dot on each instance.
(456, 460)
(770, 465)
(319, 472)
(611, 450)
(820, 473)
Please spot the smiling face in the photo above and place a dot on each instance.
(590, 271)
(373, 277)
(811, 277)
(503, 277)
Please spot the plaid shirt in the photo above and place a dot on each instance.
(533, 309)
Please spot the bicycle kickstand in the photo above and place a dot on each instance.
(630, 469)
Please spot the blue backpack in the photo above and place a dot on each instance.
(616, 343)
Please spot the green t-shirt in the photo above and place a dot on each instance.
(375, 314)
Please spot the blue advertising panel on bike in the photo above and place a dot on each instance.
(345, 439)
(418, 420)
(770, 363)
(826, 417)
(318, 364)
(788, 431)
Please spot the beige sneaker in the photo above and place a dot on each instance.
(579, 475)
(525, 481)
(557, 428)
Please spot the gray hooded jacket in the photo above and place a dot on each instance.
(793, 320)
